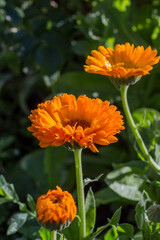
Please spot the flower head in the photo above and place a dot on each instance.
(81, 122)
(124, 65)
(56, 209)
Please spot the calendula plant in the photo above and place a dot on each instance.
(77, 124)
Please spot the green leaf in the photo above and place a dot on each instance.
(22, 206)
(16, 222)
(125, 183)
(71, 233)
(111, 234)
(141, 217)
(125, 229)
(7, 189)
(90, 212)
(45, 233)
(116, 217)
(31, 202)
(126, 191)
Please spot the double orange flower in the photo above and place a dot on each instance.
(123, 65)
(81, 122)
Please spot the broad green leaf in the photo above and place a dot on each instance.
(16, 222)
(31, 202)
(125, 229)
(126, 191)
(45, 234)
(118, 172)
(90, 212)
(116, 217)
(125, 185)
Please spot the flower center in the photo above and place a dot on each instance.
(75, 123)
(55, 200)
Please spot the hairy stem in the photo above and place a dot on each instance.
(54, 235)
(135, 131)
(80, 193)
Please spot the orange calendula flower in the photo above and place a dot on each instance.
(124, 65)
(80, 122)
(56, 209)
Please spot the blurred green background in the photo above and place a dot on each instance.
(43, 47)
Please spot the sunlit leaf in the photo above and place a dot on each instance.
(111, 234)
(125, 229)
(126, 186)
(45, 234)
(116, 217)
(8, 189)
(16, 222)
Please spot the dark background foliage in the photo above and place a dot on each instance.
(43, 47)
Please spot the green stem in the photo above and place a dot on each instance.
(80, 193)
(134, 129)
(54, 235)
